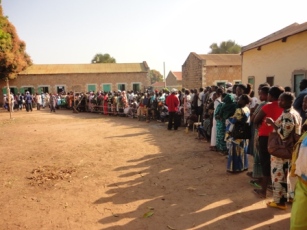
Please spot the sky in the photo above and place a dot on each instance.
(161, 32)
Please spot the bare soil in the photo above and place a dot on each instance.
(66, 170)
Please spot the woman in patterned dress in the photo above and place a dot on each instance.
(237, 148)
(288, 122)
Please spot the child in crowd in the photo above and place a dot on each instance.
(190, 120)
(205, 129)
(164, 113)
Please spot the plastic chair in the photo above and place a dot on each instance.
(196, 124)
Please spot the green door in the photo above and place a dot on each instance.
(4, 90)
(136, 87)
(39, 90)
(91, 88)
(297, 80)
(107, 88)
(251, 80)
(22, 90)
(121, 87)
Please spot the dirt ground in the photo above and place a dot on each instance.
(90, 171)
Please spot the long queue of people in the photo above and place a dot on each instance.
(219, 110)
(276, 110)
(29, 101)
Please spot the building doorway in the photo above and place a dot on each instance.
(297, 80)
(60, 90)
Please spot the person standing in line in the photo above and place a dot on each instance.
(237, 157)
(28, 100)
(5, 102)
(52, 102)
(38, 101)
(298, 184)
(172, 103)
(207, 92)
(19, 100)
(105, 103)
(298, 103)
(217, 100)
(187, 105)
(272, 110)
(192, 99)
(195, 101)
(200, 103)
(227, 109)
(288, 122)
(12, 104)
(43, 96)
(256, 173)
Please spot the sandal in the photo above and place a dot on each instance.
(272, 204)
(255, 183)
(259, 193)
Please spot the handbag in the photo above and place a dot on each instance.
(281, 148)
(242, 129)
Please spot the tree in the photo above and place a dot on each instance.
(13, 57)
(226, 47)
(155, 76)
(103, 58)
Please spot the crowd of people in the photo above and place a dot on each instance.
(29, 101)
(275, 111)
(218, 110)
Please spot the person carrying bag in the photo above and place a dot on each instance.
(242, 129)
(280, 147)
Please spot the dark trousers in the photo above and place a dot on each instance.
(52, 108)
(28, 107)
(265, 157)
(200, 110)
(173, 117)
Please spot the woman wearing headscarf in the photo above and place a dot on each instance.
(237, 157)
(216, 103)
(224, 111)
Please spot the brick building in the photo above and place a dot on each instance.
(57, 78)
(174, 80)
(158, 85)
(201, 70)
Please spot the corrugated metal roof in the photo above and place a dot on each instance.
(178, 75)
(86, 68)
(290, 30)
(220, 59)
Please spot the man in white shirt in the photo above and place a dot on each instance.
(200, 103)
